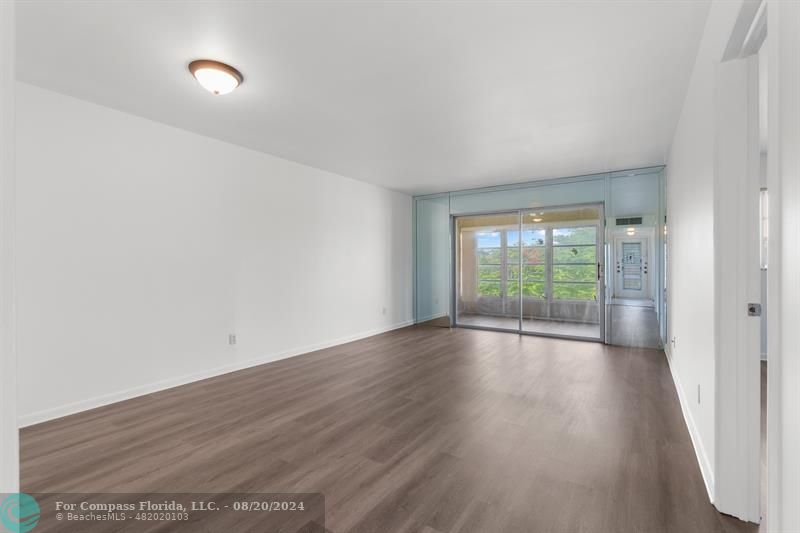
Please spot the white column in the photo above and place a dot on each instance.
(783, 171)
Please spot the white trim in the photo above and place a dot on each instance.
(127, 394)
(9, 437)
(706, 470)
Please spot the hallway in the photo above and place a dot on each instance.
(634, 325)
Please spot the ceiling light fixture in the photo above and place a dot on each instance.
(537, 219)
(215, 77)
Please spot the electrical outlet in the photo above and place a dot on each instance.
(231, 338)
(672, 341)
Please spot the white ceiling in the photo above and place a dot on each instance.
(416, 96)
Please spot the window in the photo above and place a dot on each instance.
(575, 263)
(490, 263)
(534, 264)
(573, 270)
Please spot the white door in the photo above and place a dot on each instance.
(737, 287)
(632, 265)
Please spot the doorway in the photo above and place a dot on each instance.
(534, 271)
(633, 320)
(632, 260)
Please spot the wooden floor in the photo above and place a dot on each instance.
(634, 325)
(420, 429)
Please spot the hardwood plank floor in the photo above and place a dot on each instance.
(420, 429)
(634, 325)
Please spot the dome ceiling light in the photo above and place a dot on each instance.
(214, 76)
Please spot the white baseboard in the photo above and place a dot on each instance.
(106, 399)
(702, 459)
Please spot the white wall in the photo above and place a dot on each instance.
(690, 217)
(9, 437)
(141, 247)
(783, 169)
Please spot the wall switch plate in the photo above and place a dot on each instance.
(383, 311)
(231, 338)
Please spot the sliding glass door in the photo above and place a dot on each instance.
(533, 271)
(487, 286)
(570, 303)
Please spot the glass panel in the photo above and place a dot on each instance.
(577, 235)
(433, 260)
(529, 272)
(490, 256)
(530, 289)
(585, 273)
(491, 239)
(491, 272)
(559, 282)
(532, 255)
(534, 237)
(574, 291)
(575, 254)
(487, 271)
(489, 288)
(633, 284)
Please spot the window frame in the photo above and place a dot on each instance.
(548, 262)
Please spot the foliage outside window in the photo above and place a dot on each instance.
(573, 272)
(490, 263)
(574, 263)
(534, 264)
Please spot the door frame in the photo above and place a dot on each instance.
(737, 284)
(601, 261)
